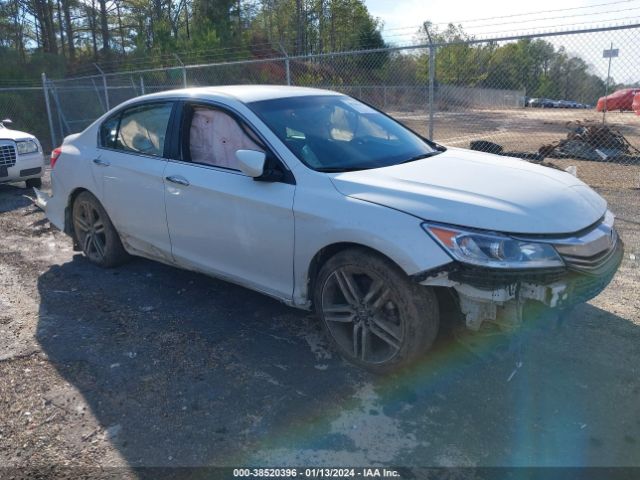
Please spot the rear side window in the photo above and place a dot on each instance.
(109, 132)
(139, 129)
(143, 129)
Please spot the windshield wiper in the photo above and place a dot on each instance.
(421, 156)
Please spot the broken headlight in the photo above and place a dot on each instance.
(493, 250)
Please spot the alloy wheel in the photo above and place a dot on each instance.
(90, 231)
(361, 313)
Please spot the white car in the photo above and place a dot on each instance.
(21, 157)
(323, 202)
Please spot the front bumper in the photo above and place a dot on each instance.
(499, 296)
(24, 168)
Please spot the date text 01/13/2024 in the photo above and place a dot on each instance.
(315, 473)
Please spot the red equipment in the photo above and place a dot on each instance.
(621, 100)
(636, 103)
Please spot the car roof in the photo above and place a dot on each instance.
(243, 93)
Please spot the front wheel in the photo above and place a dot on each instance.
(95, 233)
(375, 315)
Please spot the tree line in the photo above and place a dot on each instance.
(533, 65)
(66, 38)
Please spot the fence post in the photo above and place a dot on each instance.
(184, 71)
(142, 84)
(104, 84)
(100, 101)
(48, 105)
(287, 65)
(432, 78)
(606, 89)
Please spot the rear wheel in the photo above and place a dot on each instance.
(375, 315)
(34, 183)
(95, 233)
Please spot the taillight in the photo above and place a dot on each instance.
(55, 154)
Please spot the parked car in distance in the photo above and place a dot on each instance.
(323, 202)
(540, 103)
(21, 157)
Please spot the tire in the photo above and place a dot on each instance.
(95, 233)
(34, 183)
(388, 327)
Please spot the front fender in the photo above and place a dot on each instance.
(341, 219)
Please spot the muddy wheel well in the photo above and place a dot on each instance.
(450, 314)
(68, 223)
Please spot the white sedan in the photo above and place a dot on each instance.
(21, 157)
(323, 202)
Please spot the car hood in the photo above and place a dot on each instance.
(479, 190)
(8, 134)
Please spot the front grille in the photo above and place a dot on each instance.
(592, 276)
(597, 264)
(7, 155)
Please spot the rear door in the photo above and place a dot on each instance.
(131, 163)
(221, 221)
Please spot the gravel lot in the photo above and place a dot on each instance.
(527, 129)
(147, 365)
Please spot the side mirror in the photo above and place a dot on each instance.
(7, 121)
(251, 162)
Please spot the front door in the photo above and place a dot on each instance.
(221, 221)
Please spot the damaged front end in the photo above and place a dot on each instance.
(501, 295)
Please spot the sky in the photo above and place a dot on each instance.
(401, 19)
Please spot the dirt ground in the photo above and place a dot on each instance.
(527, 129)
(147, 365)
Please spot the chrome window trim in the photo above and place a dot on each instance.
(137, 154)
(232, 171)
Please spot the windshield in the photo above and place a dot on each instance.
(338, 133)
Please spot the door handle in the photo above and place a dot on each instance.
(179, 180)
(100, 162)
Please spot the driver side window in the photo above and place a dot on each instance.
(215, 136)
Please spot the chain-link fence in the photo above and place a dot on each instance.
(25, 107)
(534, 96)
